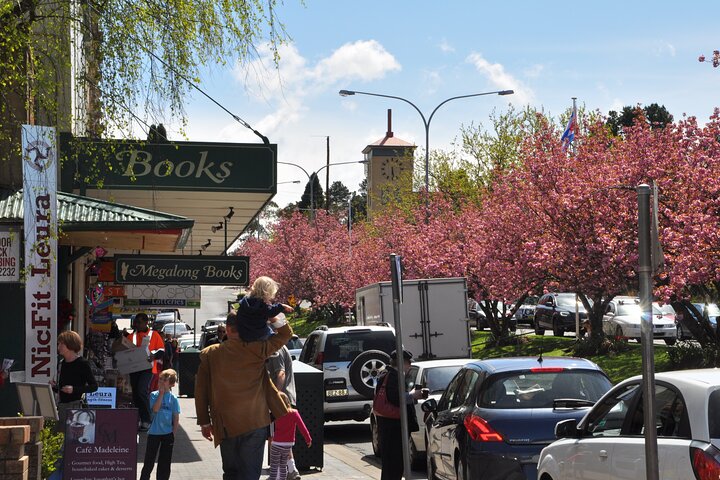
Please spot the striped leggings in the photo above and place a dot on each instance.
(279, 455)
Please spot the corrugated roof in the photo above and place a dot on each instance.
(78, 213)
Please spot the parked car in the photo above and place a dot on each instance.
(497, 414)
(295, 345)
(609, 441)
(214, 321)
(557, 311)
(623, 319)
(707, 310)
(526, 312)
(188, 340)
(351, 359)
(163, 318)
(476, 313)
(175, 329)
(435, 376)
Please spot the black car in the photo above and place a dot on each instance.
(498, 414)
(477, 313)
(556, 311)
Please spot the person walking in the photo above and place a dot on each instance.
(234, 398)
(280, 369)
(140, 381)
(386, 407)
(165, 420)
(283, 440)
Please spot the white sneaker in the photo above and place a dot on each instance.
(293, 475)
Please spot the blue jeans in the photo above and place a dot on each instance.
(242, 456)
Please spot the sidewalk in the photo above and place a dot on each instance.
(195, 458)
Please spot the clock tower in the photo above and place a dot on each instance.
(389, 168)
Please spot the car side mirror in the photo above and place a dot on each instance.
(566, 429)
(429, 406)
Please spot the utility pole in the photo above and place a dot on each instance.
(327, 175)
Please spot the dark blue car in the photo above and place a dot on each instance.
(498, 414)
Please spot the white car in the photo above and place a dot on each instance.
(435, 375)
(623, 316)
(609, 441)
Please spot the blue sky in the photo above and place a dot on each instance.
(607, 54)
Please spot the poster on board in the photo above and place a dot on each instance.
(101, 444)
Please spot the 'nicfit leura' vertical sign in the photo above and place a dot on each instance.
(39, 150)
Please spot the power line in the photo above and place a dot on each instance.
(190, 82)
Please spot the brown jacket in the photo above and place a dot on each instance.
(232, 386)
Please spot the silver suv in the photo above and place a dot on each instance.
(351, 359)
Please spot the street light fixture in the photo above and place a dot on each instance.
(426, 123)
(309, 176)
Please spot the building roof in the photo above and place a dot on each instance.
(80, 216)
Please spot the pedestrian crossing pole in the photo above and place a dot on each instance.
(645, 269)
(397, 293)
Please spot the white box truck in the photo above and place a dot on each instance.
(434, 315)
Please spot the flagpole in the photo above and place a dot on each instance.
(574, 110)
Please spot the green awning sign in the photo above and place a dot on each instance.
(181, 270)
(198, 166)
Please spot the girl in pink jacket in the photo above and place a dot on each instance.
(283, 440)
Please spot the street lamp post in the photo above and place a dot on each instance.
(315, 173)
(426, 123)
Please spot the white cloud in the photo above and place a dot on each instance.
(288, 88)
(496, 74)
(534, 71)
(445, 46)
(664, 48)
(362, 60)
(432, 80)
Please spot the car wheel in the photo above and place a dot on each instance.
(670, 341)
(416, 458)
(365, 370)
(558, 329)
(375, 437)
(619, 333)
(538, 329)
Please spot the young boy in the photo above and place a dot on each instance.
(256, 308)
(165, 418)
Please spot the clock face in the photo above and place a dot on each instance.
(391, 168)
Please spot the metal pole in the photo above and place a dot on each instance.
(577, 317)
(396, 275)
(350, 223)
(327, 177)
(646, 332)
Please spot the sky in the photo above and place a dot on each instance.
(607, 54)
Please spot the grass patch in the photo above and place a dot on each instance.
(301, 324)
(618, 366)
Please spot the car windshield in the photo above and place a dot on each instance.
(714, 414)
(633, 309)
(438, 378)
(711, 308)
(174, 327)
(568, 300)
(538, 389)
(346, 346)
(294, 344)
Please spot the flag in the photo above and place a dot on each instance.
(569, 133)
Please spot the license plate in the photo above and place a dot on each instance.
(339, 392)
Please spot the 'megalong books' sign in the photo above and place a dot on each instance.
(181, 270)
